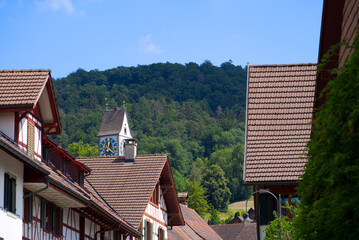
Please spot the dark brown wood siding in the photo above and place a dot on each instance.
(349, 28)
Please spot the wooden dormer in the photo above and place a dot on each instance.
(28, 108)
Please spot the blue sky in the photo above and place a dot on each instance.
(65, 35)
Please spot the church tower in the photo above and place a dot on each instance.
(113, 132)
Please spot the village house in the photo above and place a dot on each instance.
(281, 103)
(138, 187)
(43, 190)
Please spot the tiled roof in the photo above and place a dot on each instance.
(127, 188)
(21, 88)
(195, 227)
(279, 111)
(236, 231)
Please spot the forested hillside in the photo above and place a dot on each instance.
(195, 113)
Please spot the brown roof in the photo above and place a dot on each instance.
(112, 121)
(83, 194)
(21, 87)
(279, 111)
(195, 227)
(236, 231)
(127, 188)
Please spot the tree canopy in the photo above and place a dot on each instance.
(195, 113)
(330, 189)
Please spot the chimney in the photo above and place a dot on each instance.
(183, 198)
(130, 150)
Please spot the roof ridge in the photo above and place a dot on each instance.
(283, 65)
(26, 70)
(115, 157)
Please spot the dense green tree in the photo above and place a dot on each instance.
(214, 219)
(80, 149)
(215, 184)
(196, 198)
(330, 189)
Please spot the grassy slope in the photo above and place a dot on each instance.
(233, 208)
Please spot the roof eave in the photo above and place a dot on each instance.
(271, 183)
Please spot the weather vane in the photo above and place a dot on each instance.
(106, 103)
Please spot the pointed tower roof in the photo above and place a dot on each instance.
(112, 121)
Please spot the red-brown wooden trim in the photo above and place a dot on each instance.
(16, 127)
(70, 227)
(53, 106)
(163, 210)
(154, 204)
(155, 219)
(22, 144)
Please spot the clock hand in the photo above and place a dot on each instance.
(111, 150)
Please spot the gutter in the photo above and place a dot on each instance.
(271, 183)
(40, 190)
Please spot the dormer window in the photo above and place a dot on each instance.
(64, 166)
(80, 178)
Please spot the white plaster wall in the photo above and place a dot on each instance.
(23, 131)
(262, 234)
(38, 141)
(158, 213)
(125, 125)
(7, 123)
(11, 224)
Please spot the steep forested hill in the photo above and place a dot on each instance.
(193, 112)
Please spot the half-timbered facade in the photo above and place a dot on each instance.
(43, 193)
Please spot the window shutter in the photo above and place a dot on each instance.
(60, 221)
(30, 208)
(13, 195)
(7, 191)
(159, 233)
(145, 235)
(43, 213)
(31, 139)
(151, 231)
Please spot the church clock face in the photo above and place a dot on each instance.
(108, 147)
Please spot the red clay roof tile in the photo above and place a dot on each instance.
(21, 87)
(279, 113)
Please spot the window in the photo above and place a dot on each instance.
(148, 230)
(51, 217)
(155, 196)
(43, 214)
(64, 166)
(10, 193)
(80, 178)
(28, 209)
(161, 234)
(291, 200)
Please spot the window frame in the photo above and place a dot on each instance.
(10, 192)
